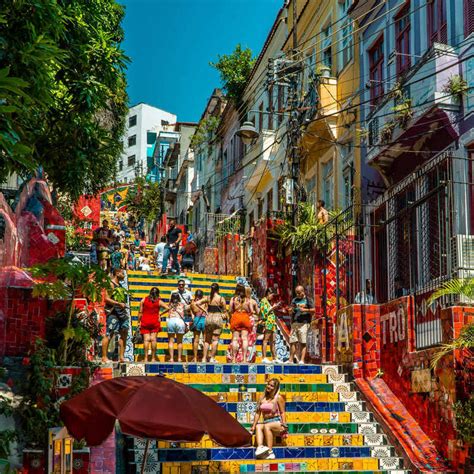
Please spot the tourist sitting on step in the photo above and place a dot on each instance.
(241, 308)
(176, 326)
(269, 420)
(216, 315)
(199, 306)
(150, 322)
(268, 320)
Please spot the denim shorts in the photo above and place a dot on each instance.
(175, 326)
(116, 325)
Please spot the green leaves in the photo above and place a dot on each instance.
(308, 234)
(144, 201)
(234, 70)
(62, 70)
(455, 287)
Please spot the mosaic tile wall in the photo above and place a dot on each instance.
(381, 344)
(329, 427)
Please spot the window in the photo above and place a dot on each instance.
(260, 117)
(132, 121)
(120, 165)
(437, 24)
(280, 99)
(150, 138)
(270, 200)
(259, 208)
(376, 71)
(468, 17)
(347, 42)
(270, 107)
(402, 39)
(326, 47)
(348, 185)
(328, 184)
(132, 140)
(251, 220)
(131, 160)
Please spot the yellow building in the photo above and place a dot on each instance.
(327, 100)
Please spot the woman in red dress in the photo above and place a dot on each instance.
(149, 321)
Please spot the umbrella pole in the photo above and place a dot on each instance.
(145, 455)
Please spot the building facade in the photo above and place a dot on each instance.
(143, 124)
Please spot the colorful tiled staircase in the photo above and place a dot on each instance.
(329, 427)
(140, 283)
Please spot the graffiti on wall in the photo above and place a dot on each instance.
(344, 335)
(393, 321)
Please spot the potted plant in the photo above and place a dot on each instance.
(456, 86)
(386, 132)
(404, 113)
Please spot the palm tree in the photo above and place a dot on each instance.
(465, 340)
(463, 287)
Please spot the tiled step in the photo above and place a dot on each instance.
(331, 440)
(381, 456)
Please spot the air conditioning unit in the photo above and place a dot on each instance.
(464, 252)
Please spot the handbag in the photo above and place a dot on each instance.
(137, 337)
(260, 327)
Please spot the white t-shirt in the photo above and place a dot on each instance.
(159, 251)
(145, 267)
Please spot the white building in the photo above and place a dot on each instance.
(143, 123)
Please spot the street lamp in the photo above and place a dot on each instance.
(247, 133)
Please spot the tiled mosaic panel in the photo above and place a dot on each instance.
(327, 421)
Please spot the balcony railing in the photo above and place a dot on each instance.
(420, 91)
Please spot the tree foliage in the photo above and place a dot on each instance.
(144, 201)
(309, 233)
(204, 130)
(234, 70)
(62, 91)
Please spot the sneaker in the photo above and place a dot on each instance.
(288, 361)
(266, 361)
(261, 450)
(212, 360)
(301, 362)
(271, 455)
(278, 361)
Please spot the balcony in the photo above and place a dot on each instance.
(414, 108)
(320, 103)
(262, 152)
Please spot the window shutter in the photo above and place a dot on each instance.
(468, 17)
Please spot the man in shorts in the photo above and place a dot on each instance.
(102, 237)
(117, 316)
(301, 311)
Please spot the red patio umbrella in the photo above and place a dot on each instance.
(150, 407)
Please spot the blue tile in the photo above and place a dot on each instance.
(261, 369)
(192, 369)
(278, 369)
(210, 368)
(227, 369)
(253, 369)
(218, 369)
(244, 369)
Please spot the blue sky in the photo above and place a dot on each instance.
(170, 43)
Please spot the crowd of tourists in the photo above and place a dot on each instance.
(207, 315)
(204, 315)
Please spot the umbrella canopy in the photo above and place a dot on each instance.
(150, 407)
